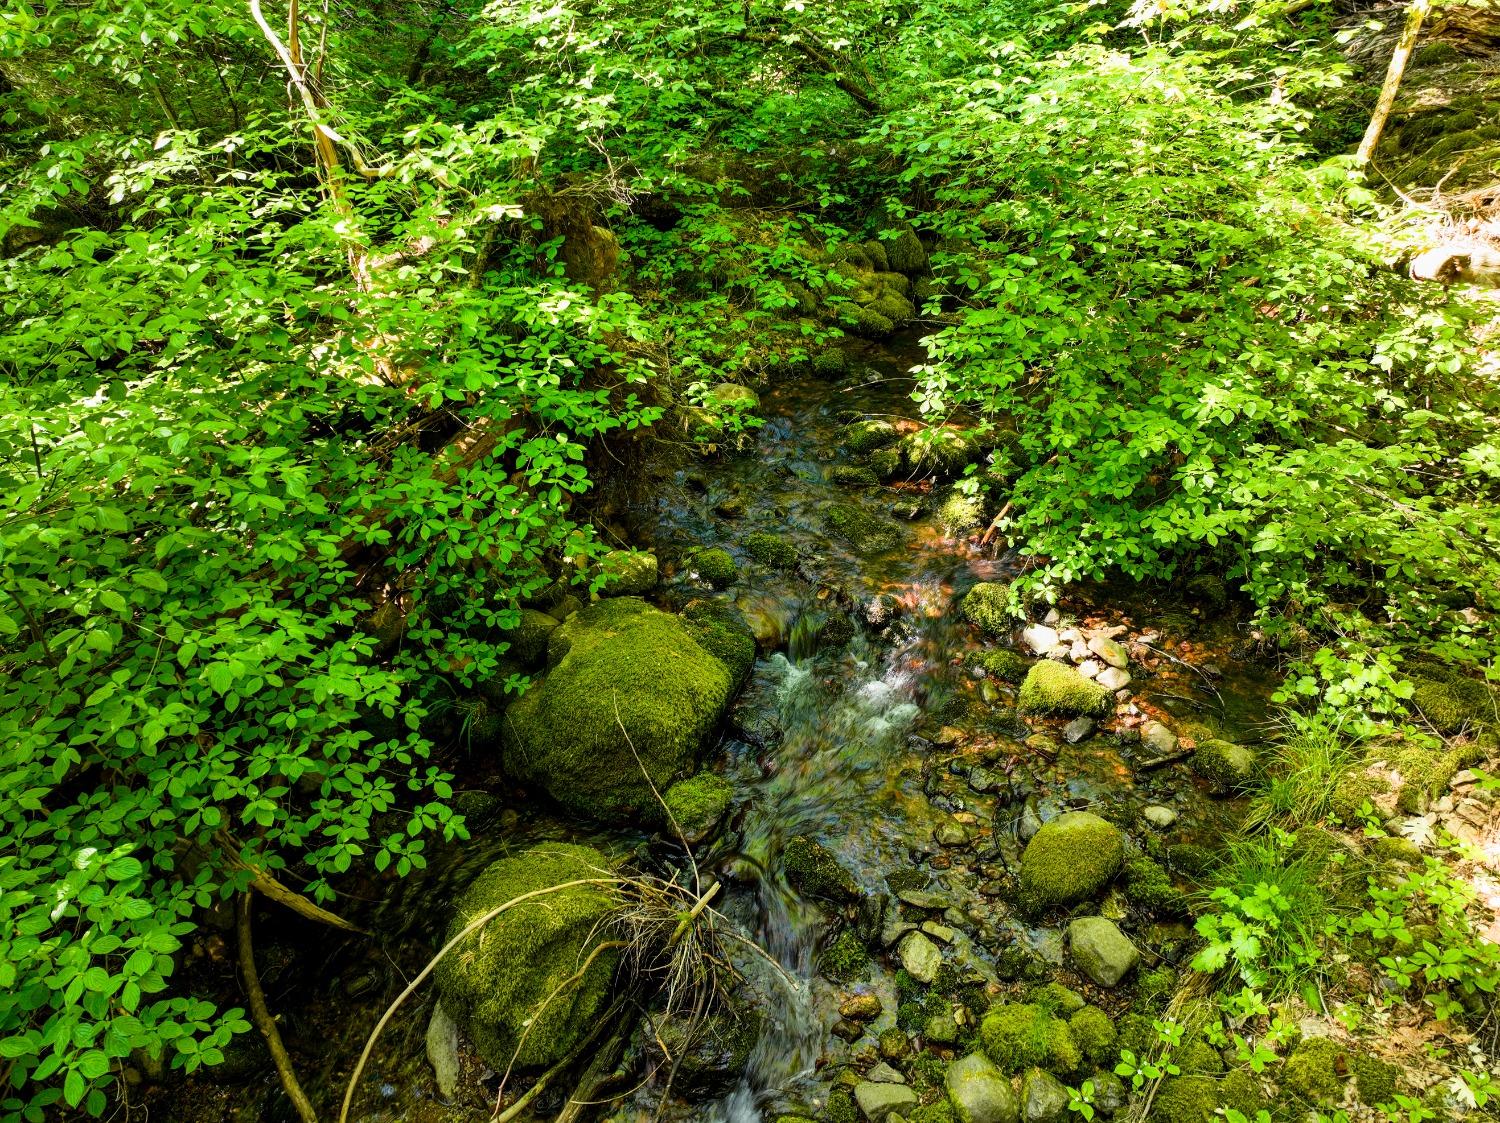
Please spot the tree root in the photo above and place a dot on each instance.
(262, 882)
(261, 1014)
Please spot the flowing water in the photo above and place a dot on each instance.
(862, 728)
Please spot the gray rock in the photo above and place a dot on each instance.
(1040, 638)
(1111, 652)
(1159, 817)
(941, 1029)
(923, 899)
(1101, 950)
(894, 928)
(1029, 823)
(1079, 729)
(883, 1073)
(1043, 1098)
(980, 1093)
(1078, 651)
(442, 1051)
(1112, 678)
(920, 956)
(1110, 1094)
(877, 1101)
(1158, 737)
(1053, 617)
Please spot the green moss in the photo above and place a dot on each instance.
(886, 463)
(904, 252)
(1054, 998)
(496, 983)
(987, 607)
(868, 323)
(732, 397)
(853, 253)
(867, 533)
(1156, 984)
(960, 514)
(841, 1107)
(830, 363)
(1094, 1033)
(628, 573)
(1070, 859)
(848, 476)
(627, 681)
(716, 567)
(1134, 1030)
(697, 805)
(1226, 765)
(894, 307)
(939, 452)
(1435, 54)
(875, 252)
(845, 959)
(1199, 1099)
(894, 1044)
(1190, 858)
(1209, 591)
(1311, 1072)
(1455, 704)
(1149, 885)
(1017, 1036)
(1004, 664)
(1054, 689)
(865, 436)
(772, 550)
(1198, 1058)
(1374, 1080)
(813, 871)
(939, 1112)
(722, 631)
(481, 721)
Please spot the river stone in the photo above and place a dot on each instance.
(1040, 638)
(1090, 668)
(1225, 764)
(883, 1073)
(941, 1029)
(1159, 737)
(980, 1093)
(951, 833)
(877, 1101)
(861, 1007)
(442, 1050)
(1101, 950)
(1159, 817)
(497, 982)
(920, 956)
(1071, 858)
(1079, 729)
(1052, 688)
(1043, 1098)
(628, 573)
(1113, 678)
(626, 707)
(1110, 1093)
(1111, 652)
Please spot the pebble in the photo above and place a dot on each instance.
(1113, 678)
(1110, 651)
(877, 1101)
(982, 779)
(950, 833)
(883, 1073)
(1040, 638)
(1159, 737)
(1160, 817)
(923, 899)
(1078, 651)
(861, 1007)
(1079, 729)
(1053, 617)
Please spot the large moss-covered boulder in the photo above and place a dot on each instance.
(1070, 859)
(627, 681)
(507, 985)
(987, 607)
(1050, 688)
(1017, 1036)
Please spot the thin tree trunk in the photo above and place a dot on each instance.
(261, 1014)
(1416, 13)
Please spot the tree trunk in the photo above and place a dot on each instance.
(1416, 13)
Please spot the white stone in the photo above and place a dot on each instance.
(1040, 638)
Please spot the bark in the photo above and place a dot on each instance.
(1416, 13)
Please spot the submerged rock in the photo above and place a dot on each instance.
(813, 871)
(715, 567)
(442, 1051)
(509, 985)
(772, 550)
(1224, 764)
(866, 533)
(632, 693)
(1101, 950)
(980, 1092)
(1070, 859)
(1052, 688)
(711, 1054)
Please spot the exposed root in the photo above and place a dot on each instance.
(261, 1014)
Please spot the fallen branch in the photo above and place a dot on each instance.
(261, 1014)
(263, 883)
(1163, 761)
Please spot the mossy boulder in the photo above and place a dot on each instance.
(698, 805)
(1204, 1099)
(722, 630)
(903, 250)
(1051, 688)
(1070, 859)
(528, 639)
(1311, 1072)
(866, 436)
(715, 566)
(1004, 664)
(628, 573)
(851, 475)
(987, 607)
(961, 514)
(830, 363)
(979, 1091)
(507, 984)
(867, 533)
(813, 871)
(1017, 1036)
(845, 959)
(772, 550)
(1227, 766)
(1454, 703)
(627, 681)
(940, 452)
(868, 323)
(1094, 1033)
(1149, 885)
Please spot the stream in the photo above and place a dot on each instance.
(863, 728)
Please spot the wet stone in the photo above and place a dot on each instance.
(1101, 950)
(878, 1101)
(1079, 729)
(1113, 678)
(861, 1007)
(979, 1092)
(883, 1073)
(1158, 737)
(951, 833)
(939, 931)
(982, 779)
(1111, 652)
(1040, 638)
(847, 1030)
(1043, 1098)
(923, 899)
(1159, 817)
(920, 956)
(941, 1029)
(1090, 668)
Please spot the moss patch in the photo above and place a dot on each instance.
(498, 979)
(771, 550)
(1094, 1033)
(716, 567)
(867, 533)
(1017, 1036)
(698, 804)
(813, 871)
(1070, 859)
(1004, 664)
(722, 631)
(844, 960)
(987, 607)
(1053, 689)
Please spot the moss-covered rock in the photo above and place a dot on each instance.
(903, 250)
(710, 1055)
(628, 573)
(961, 514)
(1311, 1073)
(1226, 765)
(813, 871)
(1094, 1033)
(1374, 1080)
(627, 680)
(771, 550)
(722, 631)
(1455, 704)
(865, 532)
(850, 475)
(987, 607)
(868, 323)
(1017, 1036)
(507, 984)
(1070, 859)
(845, 959)
(1148, 885)
(699, 804)
(875, 252)
(1202, 1099)
(940, 452)
(831, 363)
(1051, 688)
(861, 437)
(528, 639)
(1004, 664)
(886, 463)
(715, 566)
